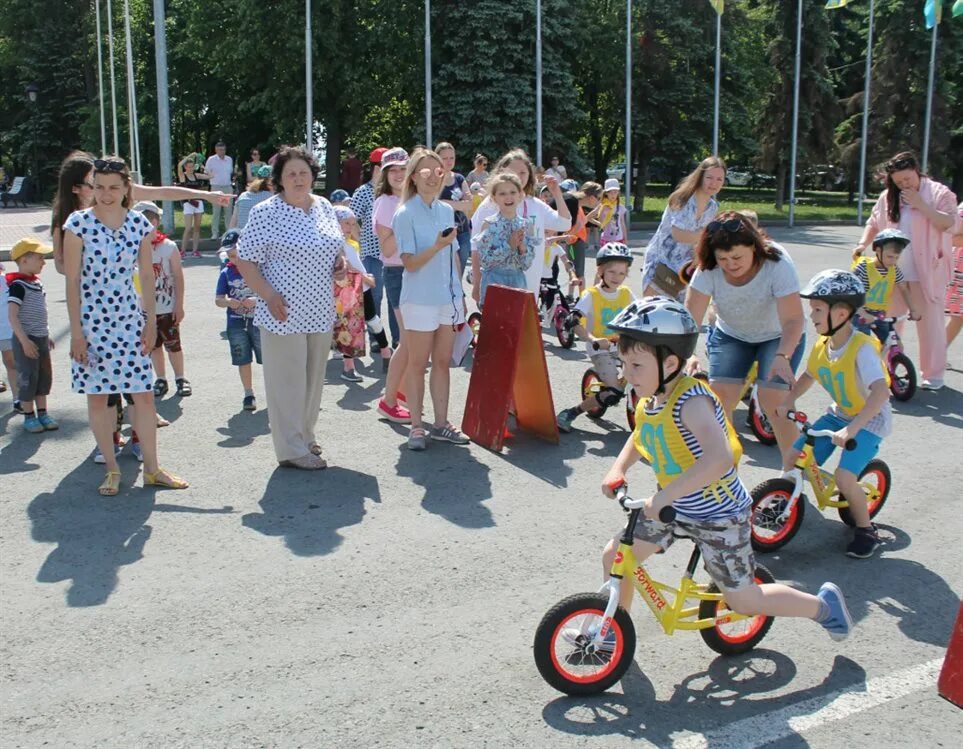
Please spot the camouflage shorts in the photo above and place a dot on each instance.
(725, 545)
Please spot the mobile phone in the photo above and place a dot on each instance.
(448, 232)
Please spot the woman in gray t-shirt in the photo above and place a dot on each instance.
(755, 289)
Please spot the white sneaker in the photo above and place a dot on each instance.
(933, 384)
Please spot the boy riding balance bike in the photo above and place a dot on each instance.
(598, 306)
(847, 364)
(585, 643)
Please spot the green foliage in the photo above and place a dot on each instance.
(236, 71)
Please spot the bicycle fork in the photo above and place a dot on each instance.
(796, 475)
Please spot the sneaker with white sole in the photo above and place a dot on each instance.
(448, 433)
(417, 439)
(137, 451)
(566, 418)
(396, 414)
(840, 623)
(351, 376)
(934, 384)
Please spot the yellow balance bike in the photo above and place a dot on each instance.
(778, 504)
(585, 642)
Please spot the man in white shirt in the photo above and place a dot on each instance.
(220, 167)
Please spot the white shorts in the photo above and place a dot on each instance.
(425, 318)
(190, 210)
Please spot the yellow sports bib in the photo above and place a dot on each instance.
(839, 377)
(880, 287)
(659, 440)
(604, 310)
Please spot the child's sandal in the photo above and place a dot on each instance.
(164, 479)
(183, 387)
(111, 484)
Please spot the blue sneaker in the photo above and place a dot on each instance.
(138, 452)
(33, 425)
(839, 622)
(49, 422)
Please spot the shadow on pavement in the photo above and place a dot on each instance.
(307, 508)
(95, 535)
(243, 427)
(943, 406)
(734, 683)
(922, 602)
(22, 445)
(455, 482)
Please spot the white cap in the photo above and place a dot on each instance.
(611, 184)
(146, 206)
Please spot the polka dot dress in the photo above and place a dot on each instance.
(110, 311)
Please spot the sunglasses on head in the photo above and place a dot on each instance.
(898, 166)
(730, 225)
(426, 172)
(109, 165)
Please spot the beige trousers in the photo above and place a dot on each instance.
(294, 367)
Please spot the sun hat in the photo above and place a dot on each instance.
(342, 212)
(28, 245)
(147, 206)
(394, 157)
(611, 184)
(338, 195)
(262, 172)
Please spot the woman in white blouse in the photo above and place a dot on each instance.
(541, 216)
(290, 253)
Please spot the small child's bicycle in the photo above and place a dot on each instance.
(592, 385)
(556, 307)
(902, 373)
(585, 642)
(756, 418)
(778, 504)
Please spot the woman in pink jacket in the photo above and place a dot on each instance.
(925, 211)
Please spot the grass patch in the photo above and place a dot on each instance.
(810, 206)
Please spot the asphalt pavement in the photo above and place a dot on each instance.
(392, 599)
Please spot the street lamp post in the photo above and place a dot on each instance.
(32, 91)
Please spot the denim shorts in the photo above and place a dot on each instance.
(854, 461)
(464, 248)
(504, 276)
(392, 276)
(730, 359)
(245, 343)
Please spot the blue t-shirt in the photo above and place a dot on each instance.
(416, 226)
(230, 283)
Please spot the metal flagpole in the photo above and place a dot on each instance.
(100, 82)
(865, 136)
(131, 99)
(795, 117)
(428, 73)
(163, 109)
(715, 116)
(113, 87)
(538, 82)
(929, 98)
(628, 106)
(308, 80)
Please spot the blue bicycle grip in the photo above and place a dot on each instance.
(667, 514)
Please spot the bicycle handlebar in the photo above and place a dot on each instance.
(666, 514)
(802, 423)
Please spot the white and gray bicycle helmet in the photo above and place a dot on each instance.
(611, 251)
(836, 286)
(894, 236)
(664, 324)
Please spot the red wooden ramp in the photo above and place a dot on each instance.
(509, 365)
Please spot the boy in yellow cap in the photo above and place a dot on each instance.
(27, 307)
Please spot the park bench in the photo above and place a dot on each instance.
(16, 193)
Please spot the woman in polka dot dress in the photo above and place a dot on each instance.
(110, 340)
